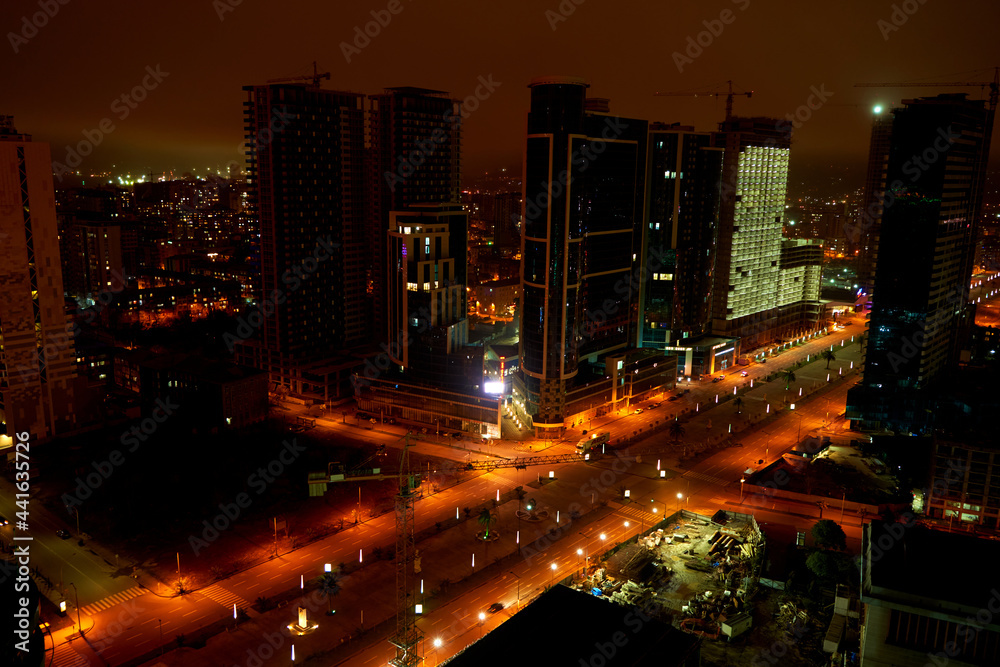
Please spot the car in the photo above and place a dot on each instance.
(686, 391)
(673, 398)
(63, 533)
(638, 411)
(495, 607)
(3, 520)
(744, 373)
(718, 379)
(651, 406)
(763, 361)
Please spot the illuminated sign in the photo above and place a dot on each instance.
(493, 387)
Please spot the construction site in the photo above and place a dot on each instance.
(701, 575)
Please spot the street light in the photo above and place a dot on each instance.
(679, 496)
(552, 580)
(77, 594)
(482, 619)
(742, 480)
(518, 602)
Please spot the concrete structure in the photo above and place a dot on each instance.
(747, 267)
(965, 480)
(580, 267)
(39, 384)
(705, 355)
(920, 316)
(925, 599)
(306, 171)
(683, 182)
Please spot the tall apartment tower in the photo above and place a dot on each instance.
(582, 229)
(864, 235)
(683, 181)
(415, 158)
(37, 355)
(305, 167)
(935, 175)
(748, 256)
(428, 329)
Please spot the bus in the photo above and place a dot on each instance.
(594, 440)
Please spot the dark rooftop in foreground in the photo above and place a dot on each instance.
(930, 569)
(567, 627)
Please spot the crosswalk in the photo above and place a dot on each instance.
(217, 593)
(634, 512)
(112, 600)
(65, 656)
(707, 478)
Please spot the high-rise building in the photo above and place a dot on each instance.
(863, 236)
(584, 192)
(935, 173)
(38, 378)
(415, 157)
(428, 329)
(683, 182)
(306, 170)
(748, 257)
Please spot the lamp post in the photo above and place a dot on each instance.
(742, 480)
(437, 645)
(161, 635)
(482, 620)
(798, 436)
(518, 602)
(77, 596)
(552, 579)
(679, 496)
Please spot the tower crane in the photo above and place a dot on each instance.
(993, 85)
(715, 93)
(314, 77)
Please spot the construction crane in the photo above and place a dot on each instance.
(993, 85)
(314, 77)
(717, 93)
(407, 637)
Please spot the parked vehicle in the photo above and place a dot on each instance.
(595, 440)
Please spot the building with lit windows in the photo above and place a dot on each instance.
(920, 318)
(307, 178)
(679, 244)
(39, 384)
(748, 256)
(584, 194)
(864, 236)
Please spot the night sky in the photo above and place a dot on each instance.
(65, 79)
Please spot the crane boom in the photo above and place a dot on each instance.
(993, 85)
(314, 77)
(715, 93)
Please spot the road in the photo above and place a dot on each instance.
(706, 487)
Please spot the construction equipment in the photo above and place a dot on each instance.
(407, 637)
(314, 77)
(993, 85)
(713, 93)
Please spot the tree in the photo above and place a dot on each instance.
(828, 535)
(738, 402)
(829, 356)
(789, 376)
(329, 585)
(676, 430)
(822, 564)
(486, 519)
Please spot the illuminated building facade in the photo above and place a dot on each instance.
(748, 257)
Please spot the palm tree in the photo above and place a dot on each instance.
(829, 356)
(738, 402)
(789, 377)
(329, 585)
(676, 430)
(486, 519)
